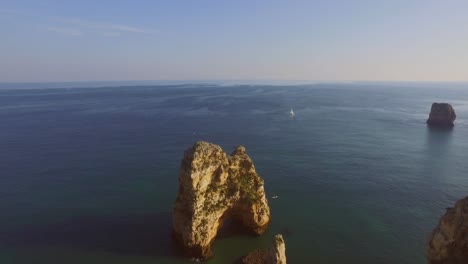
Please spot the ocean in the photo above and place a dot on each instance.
(89, 175)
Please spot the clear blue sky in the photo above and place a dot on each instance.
(393, 40)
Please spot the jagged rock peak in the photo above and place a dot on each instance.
(442, 115)
(274, 255)
(278, 255)
(239, 151)
(214, 187)
(449, 240)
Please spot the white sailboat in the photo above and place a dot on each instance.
(292, 113)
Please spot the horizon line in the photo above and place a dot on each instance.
(238, 80)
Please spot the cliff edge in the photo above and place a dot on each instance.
(449, 240)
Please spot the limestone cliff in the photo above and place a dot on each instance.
(213, 187)
(449, 241)
(442, 115)
(274, 255)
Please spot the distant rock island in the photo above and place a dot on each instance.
(449, 241)
(442, 115)
(215, 187)
(274, 255)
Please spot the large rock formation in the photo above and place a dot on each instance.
(442, 115)
(274, 255)
(213, 187)
(449, 241)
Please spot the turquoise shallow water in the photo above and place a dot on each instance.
(89, 175)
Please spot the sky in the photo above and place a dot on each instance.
(364, 40)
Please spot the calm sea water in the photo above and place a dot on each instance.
(89, 175)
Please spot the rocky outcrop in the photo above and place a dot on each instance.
(214, 187)
(449, 241)
(278, 253)
(274, 255)
(442, 115)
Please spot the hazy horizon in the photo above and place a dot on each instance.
(229, 83)
(313, 41)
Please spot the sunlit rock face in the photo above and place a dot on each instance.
(449, 240)
(274, 255)
(442, 115)
(213, 187)
(278, 252)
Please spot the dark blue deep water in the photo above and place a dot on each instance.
(89, 175)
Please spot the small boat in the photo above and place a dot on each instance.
(292, 113)
(274, 196)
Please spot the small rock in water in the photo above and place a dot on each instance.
(442, 115)
(274, 255)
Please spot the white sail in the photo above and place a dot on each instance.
(292, 113)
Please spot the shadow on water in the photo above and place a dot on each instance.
(437, 152)
(438, 140)
(148, 235)
(233, 227)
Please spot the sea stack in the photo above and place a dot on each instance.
(449, 240)
(274, 255)
(214, 187)
(442, 115)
